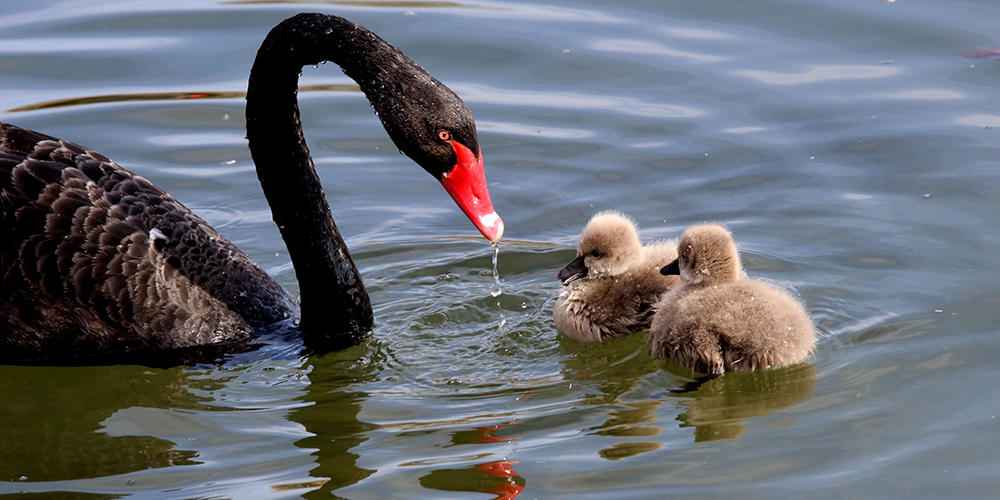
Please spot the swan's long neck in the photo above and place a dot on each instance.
(333, 297)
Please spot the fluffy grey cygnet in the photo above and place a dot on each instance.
(613, 283)
(718, 319)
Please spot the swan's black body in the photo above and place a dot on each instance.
(97, 261)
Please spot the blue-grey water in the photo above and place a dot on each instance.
(852, 150)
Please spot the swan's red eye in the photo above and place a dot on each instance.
(444, 135)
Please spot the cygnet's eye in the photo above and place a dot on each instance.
(595, 254)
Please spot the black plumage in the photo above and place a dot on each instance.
(101, 261)
(98, 261)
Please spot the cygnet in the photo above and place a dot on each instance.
(613, 283)
(718, 319)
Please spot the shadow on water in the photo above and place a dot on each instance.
(44, 442)
(130, 419)
(331, 417)
(718, 407)
(714, 407)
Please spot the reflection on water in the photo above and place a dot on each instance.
(816, 74)
(497, 478)
(335, 433)
(483, 434)
(101, 99)
(716, 409)
(169, 96)
(42, 442)
(637, 419)
(124, 430)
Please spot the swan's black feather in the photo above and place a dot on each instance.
(82, 276)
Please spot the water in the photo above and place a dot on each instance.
(848, 145)
(497, 290)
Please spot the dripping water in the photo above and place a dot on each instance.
(497, 291)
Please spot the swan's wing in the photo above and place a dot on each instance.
(98, 257)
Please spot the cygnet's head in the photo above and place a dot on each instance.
(706, 255)
(607, 247)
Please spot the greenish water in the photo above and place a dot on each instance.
(851, 149)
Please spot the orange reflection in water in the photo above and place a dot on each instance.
(510, 484)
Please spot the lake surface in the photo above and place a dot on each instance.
(852, 150)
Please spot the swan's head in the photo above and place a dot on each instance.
(706, 255)
(608, 246)
(466, 183)
(433, 126)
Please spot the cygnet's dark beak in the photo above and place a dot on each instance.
(672, 268)
(573, 271)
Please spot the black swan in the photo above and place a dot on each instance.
(97, 261)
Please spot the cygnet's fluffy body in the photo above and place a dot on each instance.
(613, 283)
(718, 319)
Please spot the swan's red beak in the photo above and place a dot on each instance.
(466, 183)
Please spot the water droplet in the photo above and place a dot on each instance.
(496, 292)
